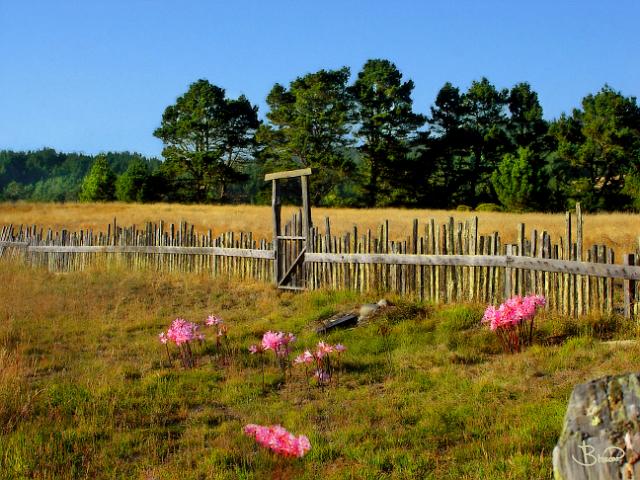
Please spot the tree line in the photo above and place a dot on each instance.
(49, 176)
(483, 148)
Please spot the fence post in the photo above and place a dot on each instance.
(520, 277)
(629, 287)
(473, 250)
(566, 278)
(579, 278)
(507, 273)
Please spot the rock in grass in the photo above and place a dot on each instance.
(600, 438)
(365, 311)
(368, 309)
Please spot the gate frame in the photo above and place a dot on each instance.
(279, 277)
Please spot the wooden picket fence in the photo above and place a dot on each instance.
(158, 246)
(443, 263)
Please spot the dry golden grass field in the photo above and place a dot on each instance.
(617, 230)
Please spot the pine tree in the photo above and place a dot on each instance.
(515, 180)
(99, 184)
(386, 125)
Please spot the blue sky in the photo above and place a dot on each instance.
(93, 75)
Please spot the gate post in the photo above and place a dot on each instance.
(276, 206)
(306, 209)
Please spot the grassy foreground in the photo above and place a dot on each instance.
(85, 391)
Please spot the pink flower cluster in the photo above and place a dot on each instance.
(324, 368)
(180, 332)
(278, 342)
(221, 328)
(322, 350)
(279, 440)
(513, 312)
(513, 321)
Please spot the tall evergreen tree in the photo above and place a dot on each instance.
(308, 126)
(601, 144)
(444, 148)
(468, 136)
(528, 134)
(485, 130)
(208, 139)
(526, 125)
(386, 124)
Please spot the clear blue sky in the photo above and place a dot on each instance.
(96, 75)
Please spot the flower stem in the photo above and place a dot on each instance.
(168, 354)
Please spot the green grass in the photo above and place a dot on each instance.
(85, 391)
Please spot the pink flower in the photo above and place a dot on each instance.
(182, 331)
(279, 440)
(253, 349)
(213, 320)
(271, 340)
(303, 446)
(323, 349)
(306, 357)
(278, 342)
(163, 337)
(339, 348)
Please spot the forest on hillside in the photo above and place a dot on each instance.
(484, 148)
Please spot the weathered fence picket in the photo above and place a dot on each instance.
(446, 262)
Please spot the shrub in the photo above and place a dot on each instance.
(488, 207)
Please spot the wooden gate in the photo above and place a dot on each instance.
(290, 246)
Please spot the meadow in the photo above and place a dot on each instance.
(424, 391)
(616, 230)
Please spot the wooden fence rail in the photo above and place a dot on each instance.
(446, 262)
(216, 251)
(504, 261)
